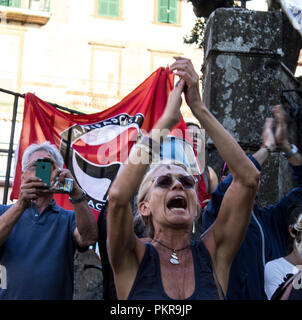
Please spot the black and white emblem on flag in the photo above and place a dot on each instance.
(94, 153)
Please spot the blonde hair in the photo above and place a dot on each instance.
(298, 239)
(145, 186)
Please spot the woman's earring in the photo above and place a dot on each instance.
(193, 227)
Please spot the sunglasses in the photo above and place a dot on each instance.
(166, 181)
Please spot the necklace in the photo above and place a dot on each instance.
(174, 259)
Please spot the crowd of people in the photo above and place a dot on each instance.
(161, 238)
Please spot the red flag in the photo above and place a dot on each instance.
(94, 146)
(139, 110)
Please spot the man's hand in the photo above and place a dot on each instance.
(31, 189)
(61, 174)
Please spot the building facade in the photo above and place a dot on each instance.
(86, 55)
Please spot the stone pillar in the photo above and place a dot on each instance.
(245, 73)
(88, 276)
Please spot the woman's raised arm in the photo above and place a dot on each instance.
(223, 239)
(124, 248)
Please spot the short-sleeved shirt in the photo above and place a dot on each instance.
(274, 274)
(38, 255)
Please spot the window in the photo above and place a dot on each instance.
(167, 11)
(108, 59)
(11, 3)
(109, 8)
(12, 46)
(162, 58)
(40, 5)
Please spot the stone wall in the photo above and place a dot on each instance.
(245, 73)
(88, 277)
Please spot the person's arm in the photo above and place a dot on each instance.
(282, 137)
(227, 233)
(29, 190)
(212, 209)
(278, 212)
(86, 232)
(224, 238)
(8, 220)
(125, 250)
(268, 142)
(210, 214)
(213, 179)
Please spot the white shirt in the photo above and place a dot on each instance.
(274, 274)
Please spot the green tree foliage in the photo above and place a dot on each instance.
(197, 33)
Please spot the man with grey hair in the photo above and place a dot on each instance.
(37, 237)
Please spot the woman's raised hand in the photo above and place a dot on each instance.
(172, 112)
(183, 68)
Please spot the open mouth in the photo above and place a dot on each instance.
(177, 202)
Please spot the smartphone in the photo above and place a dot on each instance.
(43, 170)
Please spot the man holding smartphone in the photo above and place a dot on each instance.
(37, 237)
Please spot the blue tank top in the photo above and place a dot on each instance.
(148, 283)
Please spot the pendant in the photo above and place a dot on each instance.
(174, 258)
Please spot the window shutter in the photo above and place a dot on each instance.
(109, 8)
(15, 3)
(114, 8)
(10, 3)
(162, 11)
(173, 11)
(47, 5)
(167, 11)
